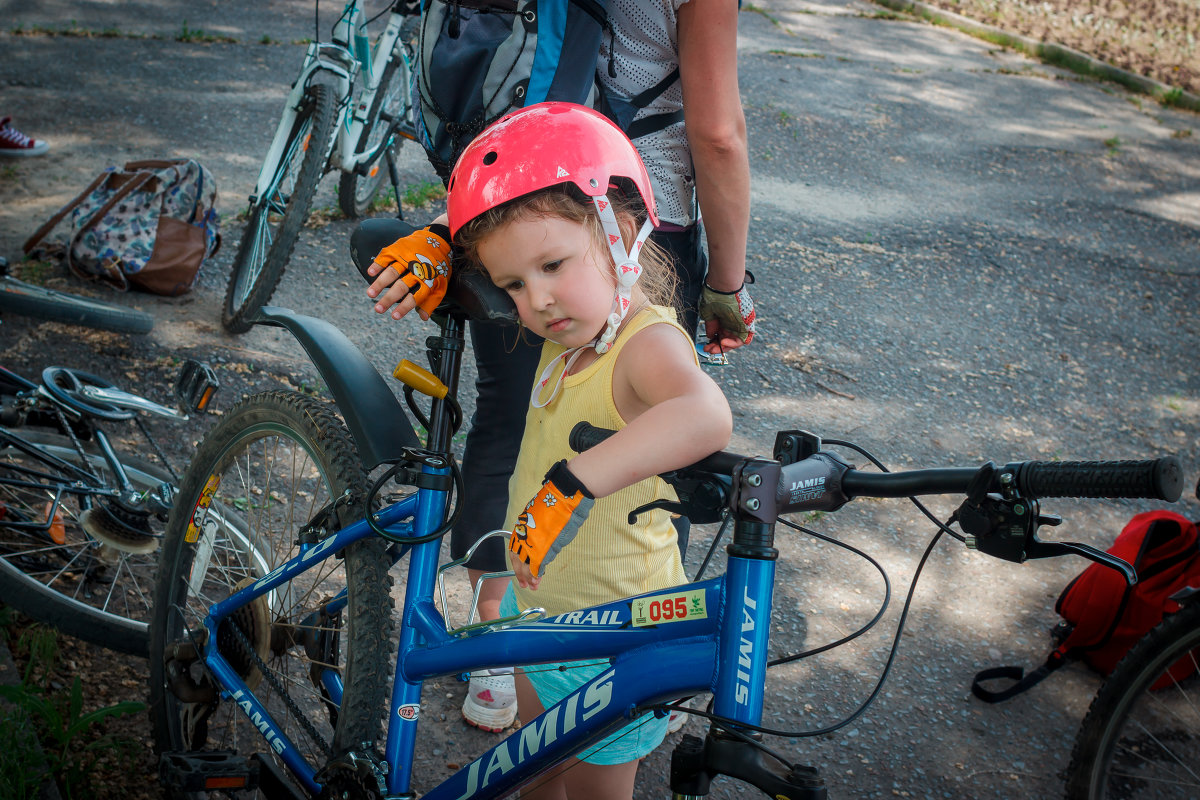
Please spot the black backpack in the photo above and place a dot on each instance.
(479, 60)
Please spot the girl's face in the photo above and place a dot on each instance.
(559, 278)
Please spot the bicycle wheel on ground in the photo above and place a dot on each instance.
(31, 300)
(1141, 736)
(356, 192)
(274, 220)
(85, 564)
(267, 470)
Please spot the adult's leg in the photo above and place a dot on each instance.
(691, 264)
(506, 360)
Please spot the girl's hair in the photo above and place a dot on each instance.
(658, 280)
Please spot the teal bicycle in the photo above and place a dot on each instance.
(349, 110)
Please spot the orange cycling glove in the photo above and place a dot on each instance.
(422, 259)
(734, 311)
(552, 518)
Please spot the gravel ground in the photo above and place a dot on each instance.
(961, 255)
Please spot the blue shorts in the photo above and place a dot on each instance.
(636, 740)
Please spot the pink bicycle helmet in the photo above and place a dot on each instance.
(540, 146)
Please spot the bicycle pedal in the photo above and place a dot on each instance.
(196, 385)
(208, 771)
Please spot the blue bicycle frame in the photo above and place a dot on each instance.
(711, 635)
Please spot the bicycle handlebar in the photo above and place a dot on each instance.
(1160, 479)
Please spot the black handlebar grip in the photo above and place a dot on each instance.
(585, 436)
(1161, 479)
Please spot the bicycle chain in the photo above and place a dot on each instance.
(62, 421)
(275, 684)
(158, 450)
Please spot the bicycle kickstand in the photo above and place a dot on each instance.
(695, 762)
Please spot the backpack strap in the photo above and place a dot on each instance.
(1022, 682)
(41, 232)
(655, 122)
(155, 164)
(114, 276)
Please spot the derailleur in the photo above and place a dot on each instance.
(356, 774)
(1005, 525)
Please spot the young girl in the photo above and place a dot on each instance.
(553, 202)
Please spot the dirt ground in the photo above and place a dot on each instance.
(1155, 38)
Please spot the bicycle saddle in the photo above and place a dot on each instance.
(470, 294)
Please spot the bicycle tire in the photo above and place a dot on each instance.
(263, 252)
(82, 586)
(265, 446)
(30, 300)
(356, 192)
(1139, 742)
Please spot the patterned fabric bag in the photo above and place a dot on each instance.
(150, 225)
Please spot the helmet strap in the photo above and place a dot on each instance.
(627, 272)
(626, 266)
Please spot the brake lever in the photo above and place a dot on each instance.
(1039, 549)
(1006, 527)
(701, 499)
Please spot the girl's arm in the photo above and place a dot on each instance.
(675, 414)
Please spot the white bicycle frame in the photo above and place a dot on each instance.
(344, 58)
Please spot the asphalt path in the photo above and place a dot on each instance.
(961, 254)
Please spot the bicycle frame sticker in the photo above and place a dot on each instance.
(200, 512)
(409, 712)
(661, 609)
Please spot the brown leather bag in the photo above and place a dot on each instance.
(151, 225)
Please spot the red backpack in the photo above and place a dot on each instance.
(1102, 616)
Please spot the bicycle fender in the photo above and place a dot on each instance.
(376, 419)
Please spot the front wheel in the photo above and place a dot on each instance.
(1141, 736)
(262, 480)
(356, 192)
(275, 218)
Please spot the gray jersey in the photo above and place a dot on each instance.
(645, 49)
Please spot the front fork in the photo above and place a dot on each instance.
(740, 686)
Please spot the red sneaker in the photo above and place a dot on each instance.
(15, 143)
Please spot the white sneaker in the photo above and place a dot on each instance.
(491, 703)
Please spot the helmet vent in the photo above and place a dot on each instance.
(490, 157)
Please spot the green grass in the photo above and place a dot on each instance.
(195, 35)
(38, 272)
(422, 194)
(71, 739)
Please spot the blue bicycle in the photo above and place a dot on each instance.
(274, 660)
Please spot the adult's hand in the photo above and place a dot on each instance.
(412, 272)
(729, 318)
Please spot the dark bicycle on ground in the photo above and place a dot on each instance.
(81, 519)
(39, 302)
(273, 662)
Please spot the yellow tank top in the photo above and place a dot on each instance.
(609, 558)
